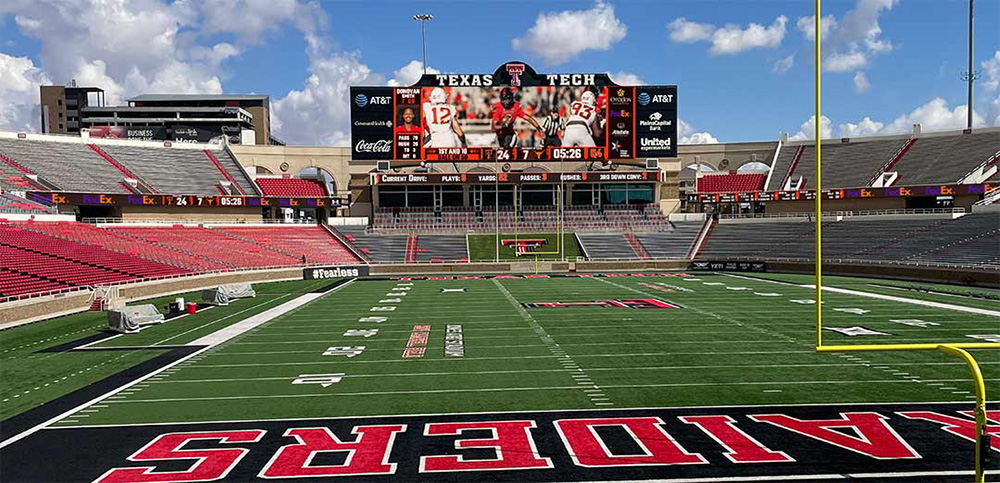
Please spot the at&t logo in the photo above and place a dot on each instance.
(361, 100)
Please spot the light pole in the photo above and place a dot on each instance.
(971, 75)
(423, 18)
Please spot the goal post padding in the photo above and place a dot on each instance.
(223, 294)
(127, 320)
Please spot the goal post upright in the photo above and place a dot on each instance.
(819, 186)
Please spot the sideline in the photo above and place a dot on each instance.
(187, 352)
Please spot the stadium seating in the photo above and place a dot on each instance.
(70, 166)
(967, 240)
(10, 203)
(213, 244)
(530, 218)
(731, 182)
(312, 241)
(16, 283)
(293, 187)
(845, 165)
(110, 239)
(601, 246)
(674, 243)
(944, 159)
(440, 248)
(376, 247)
(174, 171)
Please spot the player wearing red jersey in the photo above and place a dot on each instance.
(504, 114)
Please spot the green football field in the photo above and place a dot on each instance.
(484, 247)
(727, 340)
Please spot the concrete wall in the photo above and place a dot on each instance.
(209, 213)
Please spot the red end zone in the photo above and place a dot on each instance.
(930, 442)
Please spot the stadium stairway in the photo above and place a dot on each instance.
(636, 245)
(411, 249)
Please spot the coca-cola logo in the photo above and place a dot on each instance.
(380, 146)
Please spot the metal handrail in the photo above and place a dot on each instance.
(911, 211)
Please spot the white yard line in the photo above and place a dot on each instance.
(110, 396)
(514, 389)
(548, 341)
(892, 298)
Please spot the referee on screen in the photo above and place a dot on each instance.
(552, 125)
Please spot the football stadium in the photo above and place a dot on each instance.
(507, 276)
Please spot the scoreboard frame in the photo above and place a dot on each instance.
(639, 121)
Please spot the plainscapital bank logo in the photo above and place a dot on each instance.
(361, 100)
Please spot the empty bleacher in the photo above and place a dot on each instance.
(845, 165)
(314, 242)
(967, 240)
(441, 248)
(530, 218)
(71, 166)
(731, 182)
(674, 243)
(213, 244)
(10, 203)
(378, 248)
(167, 170)
(291, 187)
(17, 283)
(944, 159)
(603, 246)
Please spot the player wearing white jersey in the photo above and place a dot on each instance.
(441, 122)
(582, 123)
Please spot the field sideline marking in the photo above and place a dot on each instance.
(892, 298)
(596, 369)
(140, 379)
(516, 389)
(478, 413)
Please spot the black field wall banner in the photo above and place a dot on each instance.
(321, 273)
(500, 117)
(714, 265)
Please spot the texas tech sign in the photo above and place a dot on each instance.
(862, 442)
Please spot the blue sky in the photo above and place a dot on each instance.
(744, 69)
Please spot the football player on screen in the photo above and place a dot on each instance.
(582, 125)
(441, 122)
(504, 114)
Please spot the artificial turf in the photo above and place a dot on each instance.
(731, 341)
(483, 247)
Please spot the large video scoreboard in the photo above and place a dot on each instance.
(502, 117)
(179, 201)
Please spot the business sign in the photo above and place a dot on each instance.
(479, 178)
(322, 273)
(204, 134)
(142, 133)
(503, 116)
(183, 201)
(847, 193)
(728, 266)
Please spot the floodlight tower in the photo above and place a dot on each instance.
(423, 18)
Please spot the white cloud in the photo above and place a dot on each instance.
(861, 83)
(731, 38)
(19, 81)
(689, 136)
(808, 129)
(684, 32)
(807, 25)
(410, 73)
(866, 127)
(783, 65)
(845, 62)
(991, 73)
(319, 113)
(558, 37)
(933, 116)
(627, 79)
(250, 20)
